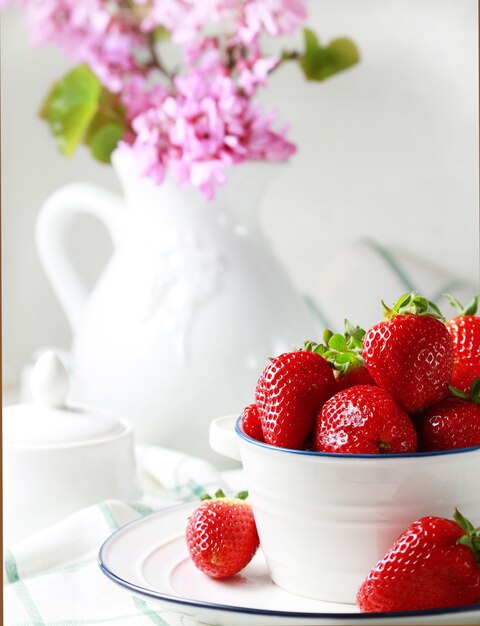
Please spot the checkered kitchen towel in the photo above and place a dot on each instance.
(52, 578)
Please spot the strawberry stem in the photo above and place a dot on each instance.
(471, 538)
(413, 304)
(473, 395)
(470, 309)
(344, 352)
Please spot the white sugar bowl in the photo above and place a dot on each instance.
(59, 459)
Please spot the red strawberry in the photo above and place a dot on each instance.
(410, 353)
(344, 353)
(221, 535)
(358, 375)
(364, 420)
(290, 392)
(251, 422)
(434, 564)
(453, 422)
(465, 332)
(463, 375)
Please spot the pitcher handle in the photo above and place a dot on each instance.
(223, 438)
(53, 224)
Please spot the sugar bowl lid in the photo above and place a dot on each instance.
(48, 421)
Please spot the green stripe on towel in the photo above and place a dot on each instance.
(108, 515)
(140, 508)
(150, 613)
(21, 589)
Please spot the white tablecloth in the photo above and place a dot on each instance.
(53, 579)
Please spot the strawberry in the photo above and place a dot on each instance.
(463, 375)
(358, 375)
(453, 422)
(364, 420)
(434, 564)
(221, 535)
(344, 353)
(289, 393)
(465, 332)
(410, 353)
(251, 422)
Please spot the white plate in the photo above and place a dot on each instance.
(149, 557)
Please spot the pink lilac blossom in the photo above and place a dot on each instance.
(140, 94)
(186, 19)
(195, 124)
(89, 32)
(202, 130)
(275, 17)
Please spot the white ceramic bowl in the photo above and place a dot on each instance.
(325, 519)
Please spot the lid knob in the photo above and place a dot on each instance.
(49, 381)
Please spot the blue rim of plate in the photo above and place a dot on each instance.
(165, 597)
(338, 455)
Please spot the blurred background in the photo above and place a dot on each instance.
(382, 194)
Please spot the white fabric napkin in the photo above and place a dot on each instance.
(53, 579)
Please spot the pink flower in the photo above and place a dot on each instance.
(198, 123)
(187, 19)
(254, 74)
(275, 17)
(88, 32)
(201, 130)
(140, 94)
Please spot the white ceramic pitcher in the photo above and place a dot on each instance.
(188, 309)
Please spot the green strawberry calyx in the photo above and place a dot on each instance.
(471, 538)
(472, 396)
(412, 304)
(470, 309)
(343, 352)
(241, 495)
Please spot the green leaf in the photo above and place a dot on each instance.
(354, 332)
(219, 493)
(338, 343)
(458, 393)
(327, 334)
(412, 303)
(346, 357)
(70, 107)
(474, 395)
(242, 495)
(464, 523)
(470, 309)
(319, 63)
(160, 34)
(104, 141)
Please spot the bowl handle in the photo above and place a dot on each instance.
(223, 438)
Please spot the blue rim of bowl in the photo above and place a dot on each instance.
(338, 455)
(176, 600)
